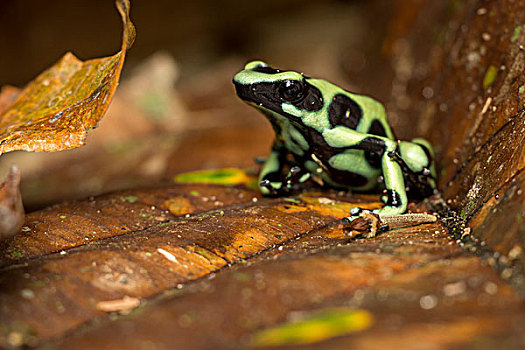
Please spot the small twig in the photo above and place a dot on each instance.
(410, 219)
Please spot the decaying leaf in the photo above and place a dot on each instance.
(224, 176)
(11, 207)
(367, 224)
(55, 110)
(323, 324)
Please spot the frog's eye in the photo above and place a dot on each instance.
(290, 90)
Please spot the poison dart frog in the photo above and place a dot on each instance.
(338, 138)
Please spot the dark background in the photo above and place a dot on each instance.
(34, 34)
(341, 41)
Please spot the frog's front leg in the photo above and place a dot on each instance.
(270, 176)
(272, 182)
(396, 198)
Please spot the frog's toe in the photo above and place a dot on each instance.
(295, 170)
(270, 188)
(293, 176)
(356, 212)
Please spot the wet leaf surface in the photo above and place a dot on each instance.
(503, 213)
(473, 58)
(80, 255)
(77, 223)
(416, 283)
(55, 110)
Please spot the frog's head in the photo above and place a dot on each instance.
(285, 93)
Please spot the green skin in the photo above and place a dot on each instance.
(333, 136)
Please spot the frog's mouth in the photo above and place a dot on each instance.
(243, 91)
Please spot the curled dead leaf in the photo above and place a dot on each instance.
(367, 224)
(55, 110)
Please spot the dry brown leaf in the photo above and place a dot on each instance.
(55, 110)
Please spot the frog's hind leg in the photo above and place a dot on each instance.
(351, 169)
(416, 161)
(395, 200)
(396, 197)
(429, 152)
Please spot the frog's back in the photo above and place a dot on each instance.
(354, 111)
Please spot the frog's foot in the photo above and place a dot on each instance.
(356, 212)
(388, 210)
(395, 202)
(284, 187)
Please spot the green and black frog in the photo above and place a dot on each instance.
(338, 138)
